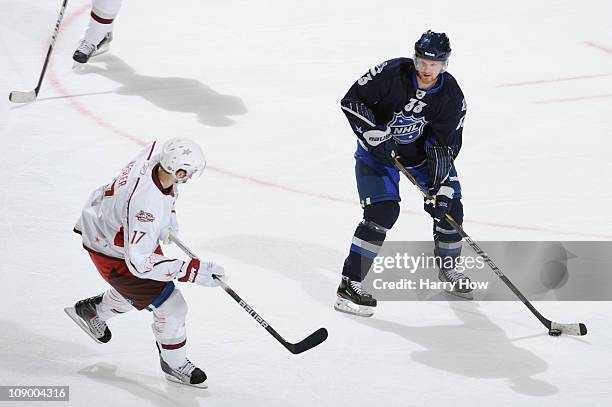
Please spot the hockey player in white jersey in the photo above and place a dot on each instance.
(99, 32)
(121, 226)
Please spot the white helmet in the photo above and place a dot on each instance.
(181, 153)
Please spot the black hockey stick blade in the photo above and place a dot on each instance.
(22, 97)
(310, 342)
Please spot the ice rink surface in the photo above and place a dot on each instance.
(258, 84)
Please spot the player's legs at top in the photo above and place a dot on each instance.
(99, 32)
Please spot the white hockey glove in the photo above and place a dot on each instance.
(166, 234)
(377, 135)
(381, 144)
(202, 274)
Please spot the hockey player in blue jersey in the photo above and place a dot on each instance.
(413, 109)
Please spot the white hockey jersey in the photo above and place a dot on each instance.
(127, 218)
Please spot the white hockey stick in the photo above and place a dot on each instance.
(30, 96)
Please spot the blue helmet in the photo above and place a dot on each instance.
(433, 46)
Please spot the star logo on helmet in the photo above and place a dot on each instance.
(187, 151)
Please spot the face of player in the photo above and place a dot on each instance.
(181, 176)
(428, 71)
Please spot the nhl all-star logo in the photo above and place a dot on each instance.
(406, 129)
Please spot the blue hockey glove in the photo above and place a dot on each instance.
(441, 204)
(381, 144)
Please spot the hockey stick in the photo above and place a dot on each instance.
(554, 328)
(25, 97)
(310, 342)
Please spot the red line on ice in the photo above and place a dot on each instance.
(599, 47)
(607, 95)
(81, 109)
(570, 78)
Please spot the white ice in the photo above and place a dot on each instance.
(258, 83)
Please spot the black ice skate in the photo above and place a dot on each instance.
(87, 50)
(85, 315)
(353, 299)
(187, 374)
(461, 283)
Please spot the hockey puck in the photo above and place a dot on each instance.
(554, 332)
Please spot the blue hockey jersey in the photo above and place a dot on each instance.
(388, 96)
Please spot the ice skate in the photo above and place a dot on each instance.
(85, 316)
(353, 299)
(187, 374)
(461, 282)
(87, 50)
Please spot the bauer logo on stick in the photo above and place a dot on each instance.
(254, 314)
